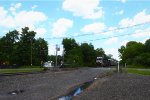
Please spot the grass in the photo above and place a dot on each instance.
(29, 67)
(137, 66)
(138, 71)
(20, 70)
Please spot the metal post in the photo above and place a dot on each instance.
(63, 55)
(56, 55)
(31, 52)
(118, 66)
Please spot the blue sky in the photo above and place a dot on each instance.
(70, 18)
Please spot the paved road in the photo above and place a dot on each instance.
(45, 86)
(118, 87)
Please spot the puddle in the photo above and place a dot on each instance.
(76, 91)
(16, 92)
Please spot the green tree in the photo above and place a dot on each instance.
(25, 49)
(88, 53)
(75, 57)
(132, 51)
(130, 43)
(135, 53)
(68, 45)
(8, 47)
(40, 53)
(147, 45)
(99, 52)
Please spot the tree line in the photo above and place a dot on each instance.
(22, 48)
(135, 53)
(82, 54)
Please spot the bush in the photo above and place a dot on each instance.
(143, 59)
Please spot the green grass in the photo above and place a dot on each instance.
(29, 67)
(137, 66)
(20, 70)
(139, 71)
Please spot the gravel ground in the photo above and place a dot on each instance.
(45, 86)
(121, 86)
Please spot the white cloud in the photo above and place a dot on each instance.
(123, 1)
(40, 32)
(140, 17)
(143, 41)
(111, 40)
(113, 51)
(75, 34)
(20, 19)
(142, 33)
(94, 28)
(3, 13)
(119, 12)
(24, 18)
(61, 26)
(124, 42)
(34, 6)
(111, 31)
(52, 49)
(14, 7)
(88, 9)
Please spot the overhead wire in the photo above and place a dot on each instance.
(116, 29)
(118, 35)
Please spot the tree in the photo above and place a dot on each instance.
(99, 52)
(147, 45)
(88, 53)
(23, 49)
(40, 53)
(8, 47)
(109, 56)
(121, 53)
(135, 53)
(75, 57)
(27, 40)
(132, 51)
(130, 43)
(68, 45)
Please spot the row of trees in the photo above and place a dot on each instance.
(135, 53)
(22, 48)
(80, 55)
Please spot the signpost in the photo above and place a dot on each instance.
(118, 66)
(57, 49)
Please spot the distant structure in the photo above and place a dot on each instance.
(104, 62)
(48, 64)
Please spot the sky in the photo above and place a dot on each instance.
(107, 24)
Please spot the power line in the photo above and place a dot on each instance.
(116, 29)
(117, 36)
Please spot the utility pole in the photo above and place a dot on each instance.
(118, 66)
(56, 54)
(63, 54)
(31, 51)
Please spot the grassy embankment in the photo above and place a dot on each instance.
(23, 69)
(136, 69)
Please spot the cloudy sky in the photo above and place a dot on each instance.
(104, 23)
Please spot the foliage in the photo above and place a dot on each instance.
(22, 49)
(80, 55)
(99, 52)
(135, 53)
(53, 59)
(89, 54)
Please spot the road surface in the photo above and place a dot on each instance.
(45, 86)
